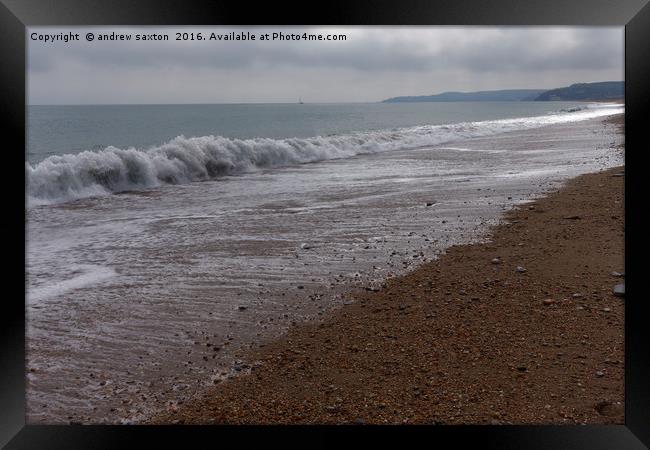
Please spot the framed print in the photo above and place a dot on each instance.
(413, 218)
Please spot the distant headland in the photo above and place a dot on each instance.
(605, 90)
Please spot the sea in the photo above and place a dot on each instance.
(164, 242)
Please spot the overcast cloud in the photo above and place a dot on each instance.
(374, 63)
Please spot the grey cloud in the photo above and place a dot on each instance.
(389, 58)
(593, 50)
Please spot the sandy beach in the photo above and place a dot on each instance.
(524, 328)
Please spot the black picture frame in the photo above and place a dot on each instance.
(15, 15)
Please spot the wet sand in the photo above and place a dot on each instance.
(521, 329)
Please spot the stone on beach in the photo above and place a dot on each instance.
(619, 290)
(607, 408)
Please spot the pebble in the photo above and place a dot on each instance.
(520, 269)
(607, 408)
(496, 261)
(548, 301)
(600, 373)
(618, 274)
(241, 308)
(619, 290)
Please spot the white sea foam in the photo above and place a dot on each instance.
(62, 178)
(82, 276)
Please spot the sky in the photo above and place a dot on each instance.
(371, 64)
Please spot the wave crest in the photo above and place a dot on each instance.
(182, 160)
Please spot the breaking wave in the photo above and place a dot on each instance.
(67, 177)
(590, 106)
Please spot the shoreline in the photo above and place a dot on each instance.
(458, 340)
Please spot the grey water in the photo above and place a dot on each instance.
(57, 130)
